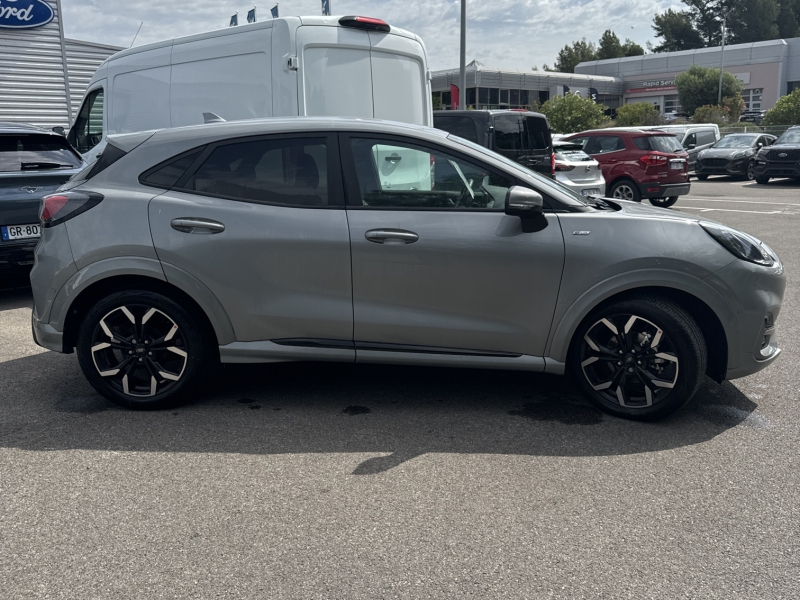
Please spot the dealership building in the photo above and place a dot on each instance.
(767, 70)
(43, 75)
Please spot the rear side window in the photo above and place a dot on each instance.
(508, 132)
(601, 144)
(659, 143)
(35, 152)
(167, 175)
(275, 171)
(537, 133)
(463, 127)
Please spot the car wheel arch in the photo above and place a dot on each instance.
(719, 339)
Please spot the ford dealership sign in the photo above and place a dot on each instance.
(24, 14)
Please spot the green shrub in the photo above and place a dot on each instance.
(786, 111)
(711, 113)
(572, 113)
(638, 114)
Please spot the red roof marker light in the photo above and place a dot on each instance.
(368, 23)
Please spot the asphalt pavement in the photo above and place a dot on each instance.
(343, 481)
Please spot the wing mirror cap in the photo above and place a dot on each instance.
(523, 202)
(59, 130)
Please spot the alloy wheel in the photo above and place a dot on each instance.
(751, 174)
(629, 361)
(139, 349)
(624, 192)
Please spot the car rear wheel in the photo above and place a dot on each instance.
(702, 177)
(664, 202)
(625, 190)
(762, 180)
(142, 350)
(641, 358)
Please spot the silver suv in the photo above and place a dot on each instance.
(367, 241)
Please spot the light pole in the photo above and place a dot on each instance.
(722, 59)
(462, 80)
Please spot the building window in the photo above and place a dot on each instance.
(752, 99)
(446, 100)
(504, 96)
(514, 97)
(483, 96)
(672, 104)
(471, 97)
(523, 97)
(494, 96)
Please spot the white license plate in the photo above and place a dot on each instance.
(21, 232)
(676, 164)
(591, 192)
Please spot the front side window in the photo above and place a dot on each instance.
(88, 129)
(274, 171)
(400, 175)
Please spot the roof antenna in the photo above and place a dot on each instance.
(137, 34)
(209, 117)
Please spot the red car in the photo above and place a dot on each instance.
(638, 164)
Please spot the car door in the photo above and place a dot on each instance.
(440, 267)
(610, 152)
(261, 223)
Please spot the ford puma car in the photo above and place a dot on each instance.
(375, 242)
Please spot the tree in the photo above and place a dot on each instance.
(631, 48)
(569, 56)
(753, 21)
(785, 112)
(609, 46)
(572, 113)
(677, 32)
(699, 86)
(788, 17)
(711, 113)
(734, 105)
(638, 114)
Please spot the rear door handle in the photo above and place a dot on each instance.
(391, 236)
(197, 225)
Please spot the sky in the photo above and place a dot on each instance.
(509, 34)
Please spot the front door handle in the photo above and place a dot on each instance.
(391, 236)
(197, 225)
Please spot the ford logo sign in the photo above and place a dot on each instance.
(782, 155)
(24, 14)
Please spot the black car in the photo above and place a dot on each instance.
(753, 116)
(34, 162)
(732, 155)
(519, 135)
(782, 159)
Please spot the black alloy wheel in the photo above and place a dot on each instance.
(641, 358)
(762, 180)
(140, 349)
(750, 172)
(664, 202)
(702, 177)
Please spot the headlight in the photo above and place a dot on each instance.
(740, 244)
(738, 154)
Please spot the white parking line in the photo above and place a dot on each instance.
(758, 212)
(702, 199)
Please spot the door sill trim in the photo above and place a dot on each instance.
(385, 347)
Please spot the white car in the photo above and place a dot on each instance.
(577, 170)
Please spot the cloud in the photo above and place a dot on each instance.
(513, 34)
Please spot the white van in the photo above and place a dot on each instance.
(293, 66)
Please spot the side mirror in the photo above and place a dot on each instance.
(523, 202)
(760, 144)
(59, 130)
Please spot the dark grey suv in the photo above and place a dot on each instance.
(34, 162)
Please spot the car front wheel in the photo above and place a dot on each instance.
(664, 202)
(625, 190)
(143, 350)
(642, 358)
(762, 180)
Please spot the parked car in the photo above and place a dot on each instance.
(732, 155)
(278, 240)
(313, 66)
(782, 159)
(34, 162)
(693, 137)
(577, 170)
(522, 136)
(638, 164)
(753, 116)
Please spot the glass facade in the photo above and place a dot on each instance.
(672, 104)
(492, 98)
(752, 98)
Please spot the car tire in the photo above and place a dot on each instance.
(143, 350)
(749, 173)
(664, 202)
(702, 177)
(612, 356)
(762, 180)
(625, 189)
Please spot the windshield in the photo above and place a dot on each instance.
(35, 152)
(790, 137)
(735, 141)
(568, 196)
(659, 143)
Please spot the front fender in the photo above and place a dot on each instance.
(568, 320)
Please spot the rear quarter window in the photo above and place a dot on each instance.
(658, 143)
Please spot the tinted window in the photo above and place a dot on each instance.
(508, 132)
(87, 131)
(690, 140)
(537, 133)
(463, 127)
(110, 155)
(288, 171)
(660, 143)
(35, 152)
(602, 144)
(167, 176)
(392, 174)
(705, 137)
